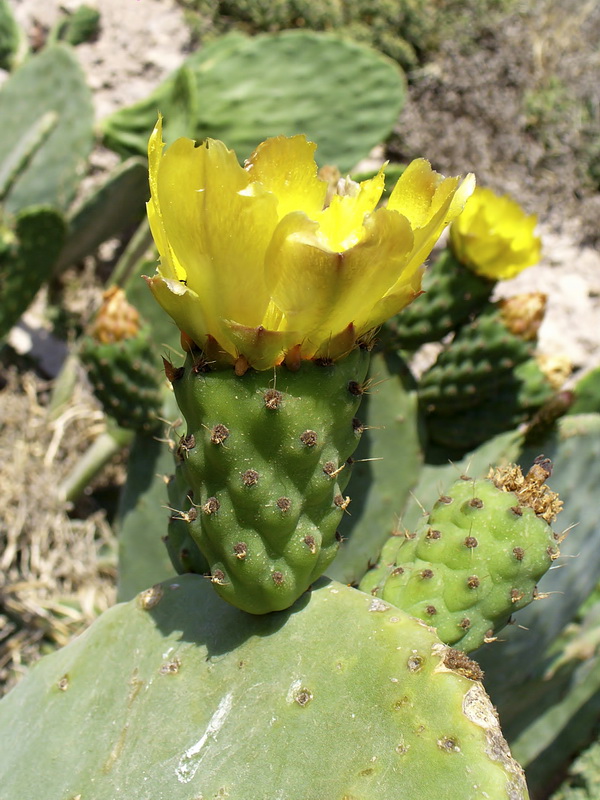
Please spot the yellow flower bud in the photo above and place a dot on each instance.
(494, 237)
(256, 259)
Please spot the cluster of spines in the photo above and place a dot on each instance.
(267, 466)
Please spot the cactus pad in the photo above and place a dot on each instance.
(477, 558)
(27, 257)
(49, 84)
(249, 89)
(452, 293)
(177, 695)
(265, 456)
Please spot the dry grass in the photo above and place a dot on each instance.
(56, 573)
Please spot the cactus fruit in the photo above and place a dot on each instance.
(120, 361)
(482, 356)
(29, 248)
(266, 458)
(477, 558)
(452, 294)
(181, 696)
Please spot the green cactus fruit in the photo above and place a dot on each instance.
(120, 359)
(177, 695)
(476, 559)
(482, 356)
(265, 456)
(250, 88)
(515, 402)
(48, 93)
(183, 551)
(451, 294)
(29, 247)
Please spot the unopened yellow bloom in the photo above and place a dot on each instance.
(494, 237)
(251, 257)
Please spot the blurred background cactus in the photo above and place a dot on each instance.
(458, 383)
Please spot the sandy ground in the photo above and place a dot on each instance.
(143, 40)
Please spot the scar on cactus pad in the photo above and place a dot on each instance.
(477, 557)
(276, 283)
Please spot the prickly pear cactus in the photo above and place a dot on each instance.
(48, 86)
(265, 456)
(121, 364)
(476, 559)
(483, 355)
(194, 698)
(288, 79)
(451, 293)
(29, 248)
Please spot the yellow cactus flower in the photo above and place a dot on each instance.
(494, 237)
(253, 258)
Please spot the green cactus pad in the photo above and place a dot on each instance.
(452, 293)
(251, 88)
(126, 379)
(27, 257)
(475, 560)
(51, 83)
(177, 695)
(265, 456)
(476, 364)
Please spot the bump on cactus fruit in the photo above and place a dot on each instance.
(121, 364)
(266, 458)
(339, 697)
(477, 558)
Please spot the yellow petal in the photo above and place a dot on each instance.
(321, 292)
(218, 227)
(286, 167)
(341, 224)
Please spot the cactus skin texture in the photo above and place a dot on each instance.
(265, 455)
(452, 294)
(27, 255)
(183, 550)
(120, 360)
(476, 559)
(478, 362)
(515, 402)
(180, 696)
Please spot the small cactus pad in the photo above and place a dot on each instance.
(29, 248)
(178, 695)
(476, 559)
(451, 293)
(266, 458)
(122, 366)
